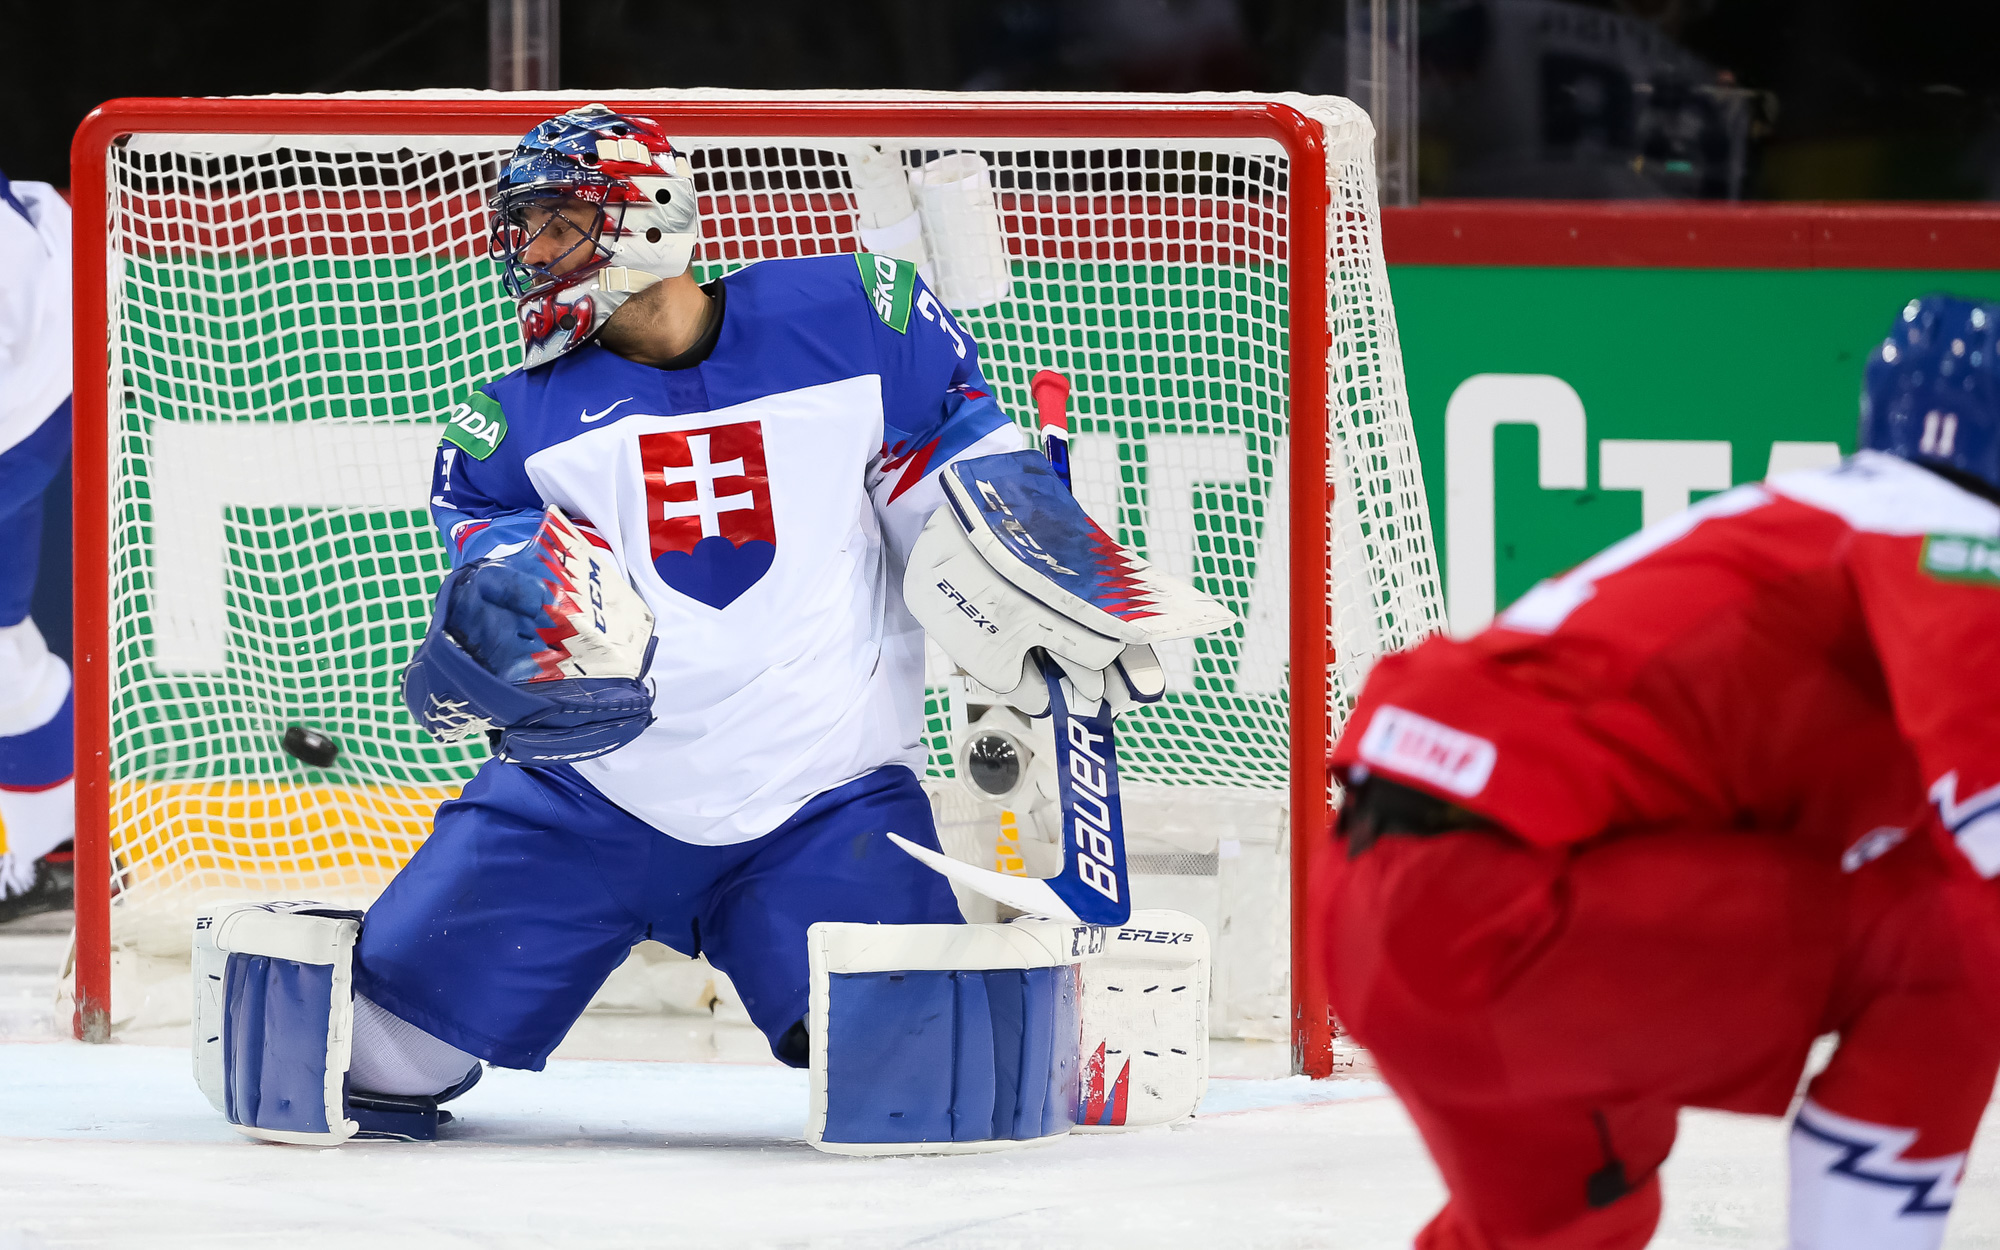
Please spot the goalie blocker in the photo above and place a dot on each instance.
(1012, 565)
(954, 1039)
(1023, 591)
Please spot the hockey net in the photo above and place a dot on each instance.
(296, 291)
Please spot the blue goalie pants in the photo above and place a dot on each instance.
(533, 887)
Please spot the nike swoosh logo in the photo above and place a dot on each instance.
(588, 417)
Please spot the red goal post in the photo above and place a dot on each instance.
(262, 282)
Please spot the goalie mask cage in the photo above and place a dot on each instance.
(279, 299)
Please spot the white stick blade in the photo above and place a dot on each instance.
(1029, 894)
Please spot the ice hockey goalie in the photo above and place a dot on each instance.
(677, 613)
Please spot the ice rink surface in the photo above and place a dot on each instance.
(114, 1146)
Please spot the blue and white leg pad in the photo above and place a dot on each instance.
(944, 1039)
(275, 1028)
(274, 1018)
(950, 1039)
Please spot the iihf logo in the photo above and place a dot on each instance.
(708, 509)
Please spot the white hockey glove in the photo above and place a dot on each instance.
(1012, 565)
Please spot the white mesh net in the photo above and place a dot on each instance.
(291, 316)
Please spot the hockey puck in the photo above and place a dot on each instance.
(311, 746)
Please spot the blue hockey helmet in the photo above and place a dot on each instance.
(1932, 390)
(627, 196)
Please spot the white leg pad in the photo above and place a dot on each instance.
(274, 1018)
(944, 1039)
(1145, 1024)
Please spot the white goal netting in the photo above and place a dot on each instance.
(292, 314)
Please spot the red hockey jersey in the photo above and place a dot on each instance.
(1820, 653)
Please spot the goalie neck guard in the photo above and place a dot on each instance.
(619, 183)
(1932, 394)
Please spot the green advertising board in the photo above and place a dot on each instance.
(1559, 407)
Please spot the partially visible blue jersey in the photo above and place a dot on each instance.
(763, 501)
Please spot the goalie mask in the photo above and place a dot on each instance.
(606, 206)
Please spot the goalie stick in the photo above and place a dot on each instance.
(1051, 392)
(1092, 886)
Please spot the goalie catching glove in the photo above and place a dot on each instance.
(541, 647)
(1012, 564)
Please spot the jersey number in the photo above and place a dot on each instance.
(929, 308)
(1940, 434)
(439, 500)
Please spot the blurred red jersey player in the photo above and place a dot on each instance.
(1726, 787)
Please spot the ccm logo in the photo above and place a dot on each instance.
(1012, 527)
(1096, 852)
(597, 599)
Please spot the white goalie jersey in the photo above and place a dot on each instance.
(762, 500)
